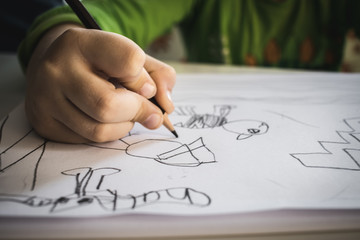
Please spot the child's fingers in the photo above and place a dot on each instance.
(118, 58)
(164, 76)
(57, 131)
(103, 133)
(81, 104)
(142, 84)
(99, 99)
(115, 55)
(111, 120)
(81, 128)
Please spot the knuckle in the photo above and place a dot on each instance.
(35, 118)
(170, 73)
(40, 128)
(140, 113)
(135, 63)
(104, 107)
(99, 133)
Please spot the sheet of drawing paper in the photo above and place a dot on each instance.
(247, 143)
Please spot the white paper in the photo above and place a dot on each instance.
(247, 143)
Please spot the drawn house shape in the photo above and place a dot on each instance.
(343, 154)
(337, 158)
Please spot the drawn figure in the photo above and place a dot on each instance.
(168, 152)
(343, 154)
(244, 128)
(88, 190)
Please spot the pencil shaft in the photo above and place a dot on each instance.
(169, 125)
(84, 16)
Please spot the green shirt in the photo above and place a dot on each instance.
(281, 33)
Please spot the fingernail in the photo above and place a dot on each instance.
(171, 105)
(168, 93)
(152, 121)
(147, 90)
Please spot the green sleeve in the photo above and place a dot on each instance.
(140, 20)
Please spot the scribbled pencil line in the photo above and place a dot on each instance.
(16, 142)
(188, 196)
(30, 201)
(78, 182)
(2, 169)
(184, 110)
(90, 173)
(246, 128)
(105, 147)
(243, 128)
(37, 165)
(42, 145)
(111, 200)
(2, 128)
(206, 120)
(23, 157)
(192, 154)
(1, 132)
(333, 149)
(108, 199)
(190, 148)
(83, 175)
(292, 119)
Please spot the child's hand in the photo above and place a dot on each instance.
(71, 93)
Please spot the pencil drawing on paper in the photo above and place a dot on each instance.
(38, 147)
(244, 128)
(176, 153)
(89, 186)
(343, 154)
(88, 182)
(88, 190)
(173, 153)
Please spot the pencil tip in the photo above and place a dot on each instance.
(175, 134)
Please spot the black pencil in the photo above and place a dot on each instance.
(90, 23)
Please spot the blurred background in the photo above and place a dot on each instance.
(170, 48)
